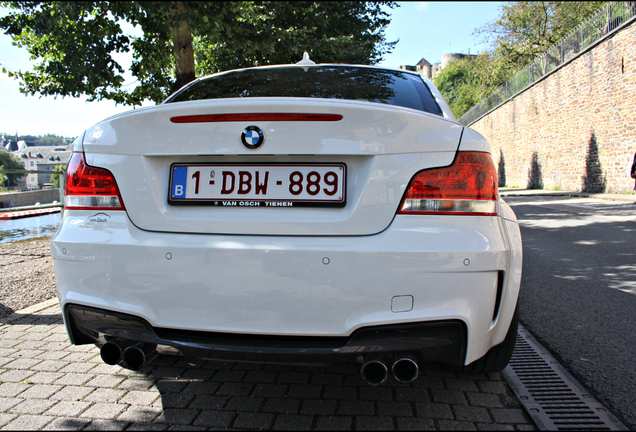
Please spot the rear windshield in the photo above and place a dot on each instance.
(325, 82)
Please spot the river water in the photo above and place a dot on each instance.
(30, 227)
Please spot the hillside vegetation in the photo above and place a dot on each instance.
(523, 31)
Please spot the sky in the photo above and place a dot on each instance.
(424, 30)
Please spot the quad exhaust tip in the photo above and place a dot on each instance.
(129, 354)
(375, 371)
(111, 353)
(136, 356)
(405, 370)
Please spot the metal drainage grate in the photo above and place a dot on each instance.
(554, 400)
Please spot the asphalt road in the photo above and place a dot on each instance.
(578, 292)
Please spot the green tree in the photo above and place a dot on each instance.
(44, 140)
(75, 41)
(279, 32)
(55, 178)
(465, 82)
(525, 30)
(49, 140)
(10, 162)
(457, 84)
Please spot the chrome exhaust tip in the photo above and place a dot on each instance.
(405, 369)
(136, 356)
(111, 353)
(374, 372)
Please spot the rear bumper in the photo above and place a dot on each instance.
(420, 270)
(443, 341)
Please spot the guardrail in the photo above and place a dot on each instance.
(30, 172)
(61, 173)
(591, 31)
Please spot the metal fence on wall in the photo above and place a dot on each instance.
(606, 20)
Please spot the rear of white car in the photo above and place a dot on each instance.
(253, 224)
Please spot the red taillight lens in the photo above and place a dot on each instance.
(468, 187)
(89, 188)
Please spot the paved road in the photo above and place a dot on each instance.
(578, 294)
(46, 383)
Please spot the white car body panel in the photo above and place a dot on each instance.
(449, 265)
(375, 186)
(474, 141)
(366, 129)
(383, 147)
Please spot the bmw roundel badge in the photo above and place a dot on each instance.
(252, 137)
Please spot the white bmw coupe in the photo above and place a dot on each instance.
(294, 213)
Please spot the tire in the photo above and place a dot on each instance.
(497, 358)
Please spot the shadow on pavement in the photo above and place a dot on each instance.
(227, 395)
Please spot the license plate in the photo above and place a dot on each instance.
(257, 185)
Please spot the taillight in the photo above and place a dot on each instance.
(468, 187)
(89, 188)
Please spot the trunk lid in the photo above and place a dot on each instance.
(380, 147)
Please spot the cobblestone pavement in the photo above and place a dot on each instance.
(46, 383)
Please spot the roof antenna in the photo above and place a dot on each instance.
(305, 60)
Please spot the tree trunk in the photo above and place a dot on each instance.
(182, 46)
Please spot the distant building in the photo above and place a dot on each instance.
(7, 145)
(430, 71)
(36, 158)
(40, 158)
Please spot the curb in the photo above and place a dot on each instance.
(539, 192)
(29, 310)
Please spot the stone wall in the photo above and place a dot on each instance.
(22, 199)
(576, 129)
